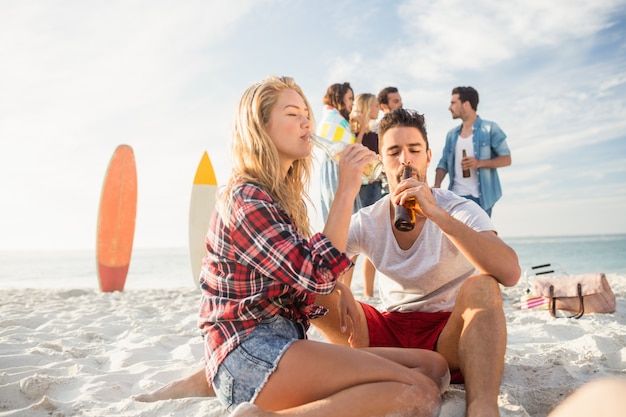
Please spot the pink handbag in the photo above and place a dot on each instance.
(578, 294)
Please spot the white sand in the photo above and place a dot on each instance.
(84, 353)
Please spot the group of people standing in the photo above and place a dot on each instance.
(267, 277)
(472, 153)
(354, 120)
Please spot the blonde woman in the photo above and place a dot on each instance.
(362, 118)
(264, 270)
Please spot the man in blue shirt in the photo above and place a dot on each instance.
(473, 152)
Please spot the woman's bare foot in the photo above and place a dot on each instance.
(194, 385)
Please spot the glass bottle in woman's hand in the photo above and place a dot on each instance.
(372, 170)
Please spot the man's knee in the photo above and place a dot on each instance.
(481, 291)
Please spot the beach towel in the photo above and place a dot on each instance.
(334, 126)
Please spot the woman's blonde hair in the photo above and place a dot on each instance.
(255, 157)
(363, 104)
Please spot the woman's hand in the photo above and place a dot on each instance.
(349, 317)
(352, 163)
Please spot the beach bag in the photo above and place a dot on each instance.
(577, 294)
(530, 300)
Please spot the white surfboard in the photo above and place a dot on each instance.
(203, 197)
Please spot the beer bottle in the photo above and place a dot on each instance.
(466, 172)
(405, 217)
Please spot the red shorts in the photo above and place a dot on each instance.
(407, 330)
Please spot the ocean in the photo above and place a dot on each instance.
(575, 254)
(169, 267)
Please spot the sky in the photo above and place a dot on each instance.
(78, 78)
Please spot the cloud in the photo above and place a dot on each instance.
(440, 38)
(164, 76)
(80, 78)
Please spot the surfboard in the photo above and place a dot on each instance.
(116, 220)
(203, 197)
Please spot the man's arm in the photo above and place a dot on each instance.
(485, 250)
(497, 162)
(440, 174)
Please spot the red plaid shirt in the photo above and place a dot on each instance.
(258, 266)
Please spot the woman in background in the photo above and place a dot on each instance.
(362, 118)
(334, 125)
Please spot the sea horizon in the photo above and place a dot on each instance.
(549, 236)
(169, 267)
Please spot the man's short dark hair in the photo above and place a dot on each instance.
(403, 118)
(467, 94)
(383, 96)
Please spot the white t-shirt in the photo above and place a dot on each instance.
(427, 276)
(461, 185)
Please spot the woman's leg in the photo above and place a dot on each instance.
(426, 362)
(192, 385)
(321, 379)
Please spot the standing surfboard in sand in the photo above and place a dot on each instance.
(116, 220)
(203, 196)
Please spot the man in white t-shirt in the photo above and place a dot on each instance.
(439, 283)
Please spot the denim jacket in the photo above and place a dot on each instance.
(489, 142)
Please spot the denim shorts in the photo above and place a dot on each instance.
(244, 372)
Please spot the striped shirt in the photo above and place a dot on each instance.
(258, 266)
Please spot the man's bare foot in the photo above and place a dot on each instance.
(248, 410)
(194, 385)
(482, 410)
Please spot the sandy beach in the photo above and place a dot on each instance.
(80, 352)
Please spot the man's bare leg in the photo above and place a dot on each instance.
(369, 273)
(474, 340)
(193, 385)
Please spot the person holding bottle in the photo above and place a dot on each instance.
(439, 280)
(334, 125)
(362, 118)
(473, 152)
